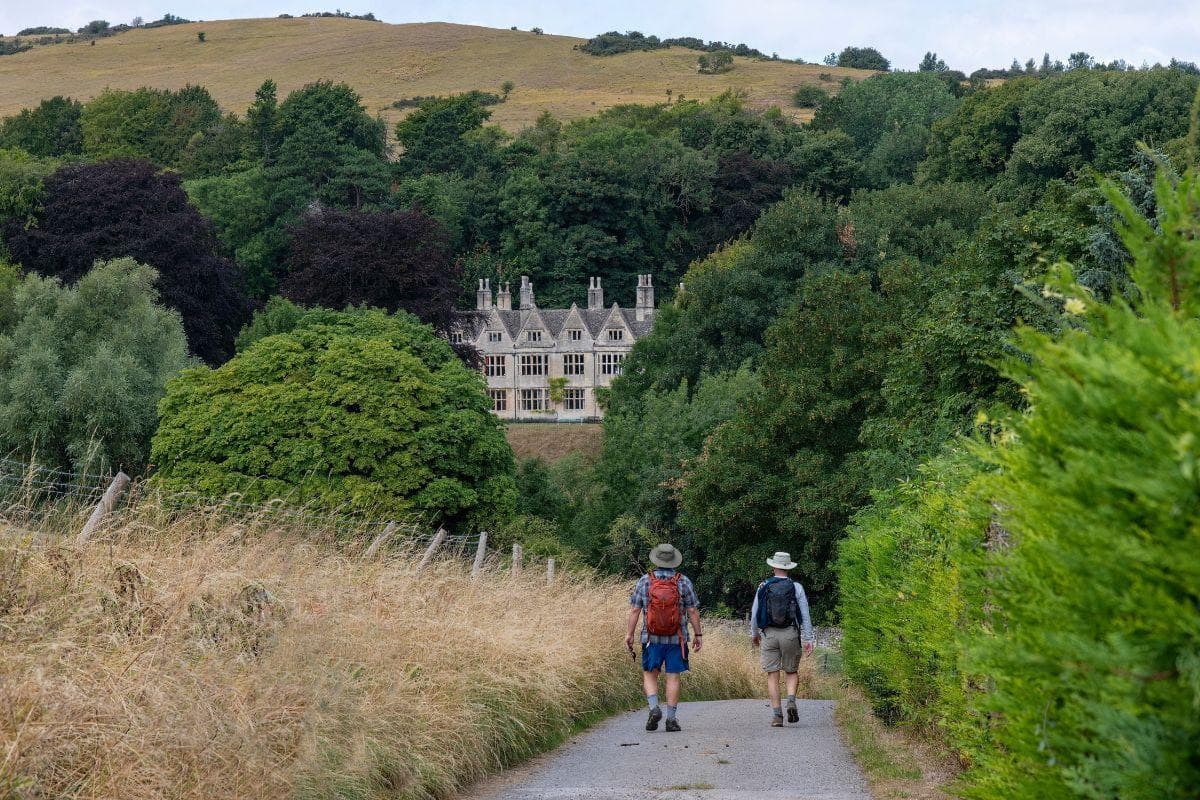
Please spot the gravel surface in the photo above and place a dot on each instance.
(726, 751)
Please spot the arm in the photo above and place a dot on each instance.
(635, 613)
(755, 633)
(694, 617)
(806, 633)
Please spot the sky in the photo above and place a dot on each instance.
(966, 35)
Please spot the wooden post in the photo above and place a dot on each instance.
(438, 539)
(516, 560)
(379, 540)
(549, 570)
(107, 503)
(480, 552)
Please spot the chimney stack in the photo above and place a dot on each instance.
(595, 294)
(503, 298)
(645, 298)
(526, 292)
(483, 295)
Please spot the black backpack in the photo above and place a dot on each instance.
(779, 603)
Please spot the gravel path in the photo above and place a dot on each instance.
(726, 751)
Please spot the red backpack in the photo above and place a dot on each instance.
(662, 608)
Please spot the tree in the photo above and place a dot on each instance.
(388, 259)
(406, 428)
(434, 135)
(506, 89)
(82, 367)
(22, 184)
(863, 58)
(51, 130)
(714, 63)
(333, 108)
(809, 96)
(261, 119)
(889, 117)
(147, 123)
(931, 63)
(128, 208)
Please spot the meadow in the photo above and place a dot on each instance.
(197, 657)
(385, 63)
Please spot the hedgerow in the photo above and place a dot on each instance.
(1064, 660)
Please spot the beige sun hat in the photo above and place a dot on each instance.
(781, 560)
(666, 556)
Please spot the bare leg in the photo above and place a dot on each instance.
(672, 688)
(773, 688)
(650, 682)
(793, 683)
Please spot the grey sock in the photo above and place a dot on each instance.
(652, 700)
(671, 711)
(777, 711)
(791, 699)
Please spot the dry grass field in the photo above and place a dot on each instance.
(550, 441)
(386, 62)
(200, 659)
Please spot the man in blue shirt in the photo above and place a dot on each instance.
(666, 600)
(779, 612)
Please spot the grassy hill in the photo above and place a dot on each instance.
(387, 62)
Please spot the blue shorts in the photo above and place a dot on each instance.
(665, 657)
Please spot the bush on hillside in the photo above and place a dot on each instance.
(809, 96)
(715, 63)
(82, 368)
(358, 410)
(859, 58)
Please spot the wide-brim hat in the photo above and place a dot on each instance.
(781, 560)
(666, 556)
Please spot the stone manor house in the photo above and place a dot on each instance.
(546, 364)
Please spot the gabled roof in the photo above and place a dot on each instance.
(531, 319)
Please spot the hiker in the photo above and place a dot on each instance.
(779, 611)
(666, 600)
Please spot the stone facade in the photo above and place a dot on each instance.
(546, 364)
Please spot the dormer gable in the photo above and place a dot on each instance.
(492, 323)
(574, 321)
(615, 321)
(534, 331)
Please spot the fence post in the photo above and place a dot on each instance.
(112, 494)
(516, 560)
(480, 552)
(438, 538)
(379, 540)
(549, 570)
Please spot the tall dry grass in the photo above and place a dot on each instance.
(195, 658)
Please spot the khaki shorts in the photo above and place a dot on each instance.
(780, 650)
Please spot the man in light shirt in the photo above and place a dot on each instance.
(779, 622)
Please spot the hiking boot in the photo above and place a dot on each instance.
(793, 715)
(776, 720)
(652, 720)
(672, 725)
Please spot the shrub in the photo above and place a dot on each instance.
(83, 367)
(1063, 664)
(50, 130)
(714, 63)
(361, 410)
(809, 96)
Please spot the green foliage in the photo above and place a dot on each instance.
(21, 186)
(903, 575)
(359, 410)
(51, 130)
(809, 96)
(862, 58)
(888, 117)
(147, 123)
(83, 367)
(715, 63)
(1042, 614)
(434, 136)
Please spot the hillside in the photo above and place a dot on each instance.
(387, 62)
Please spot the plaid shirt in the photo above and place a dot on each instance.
(687, 599)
